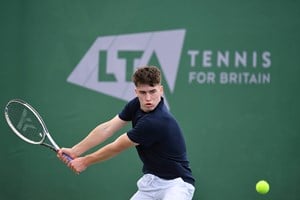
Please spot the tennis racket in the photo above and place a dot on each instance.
(26, 123)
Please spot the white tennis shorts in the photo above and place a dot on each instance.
(151, 187)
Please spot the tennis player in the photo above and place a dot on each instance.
(155, 134)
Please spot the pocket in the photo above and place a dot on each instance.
(145, 182)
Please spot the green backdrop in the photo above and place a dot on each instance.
(239, 129)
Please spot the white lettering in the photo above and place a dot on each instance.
(207, 59)
(254, 59)
(266, 59)
(202, 77)
(223, 59)
(193, 54)
(227, 59)
(244, 78)
(240, 59)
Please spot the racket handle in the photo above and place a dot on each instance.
(69, 158)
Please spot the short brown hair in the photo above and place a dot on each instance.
(149, 75)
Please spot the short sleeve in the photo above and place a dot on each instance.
(129, 109)
(144, 133)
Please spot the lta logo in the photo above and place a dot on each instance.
(109, 63)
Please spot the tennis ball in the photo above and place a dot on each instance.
(262, 187)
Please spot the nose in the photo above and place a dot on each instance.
(148, 96)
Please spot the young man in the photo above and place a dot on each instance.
(155, 134)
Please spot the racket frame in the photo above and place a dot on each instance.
(46, 133)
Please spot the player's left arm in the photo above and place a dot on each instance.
(110, 150)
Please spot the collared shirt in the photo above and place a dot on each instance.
(161, 146)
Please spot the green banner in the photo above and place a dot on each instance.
(230, 74)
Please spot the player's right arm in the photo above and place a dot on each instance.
(96, 136)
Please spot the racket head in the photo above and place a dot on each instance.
(25, 121)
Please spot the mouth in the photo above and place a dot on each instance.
(148, 105)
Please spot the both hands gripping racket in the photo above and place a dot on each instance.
(26, 123)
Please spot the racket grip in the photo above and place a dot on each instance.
(69, 158)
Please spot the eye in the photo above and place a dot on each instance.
(152, 91)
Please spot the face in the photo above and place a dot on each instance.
(149, 96)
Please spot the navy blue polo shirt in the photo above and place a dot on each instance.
(161, 146)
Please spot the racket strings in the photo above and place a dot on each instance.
(25, 122)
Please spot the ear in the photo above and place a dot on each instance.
(162, 89)
(135, 90)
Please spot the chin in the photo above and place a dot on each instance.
(147, 109)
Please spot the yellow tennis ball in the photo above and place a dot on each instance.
(262, 187)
